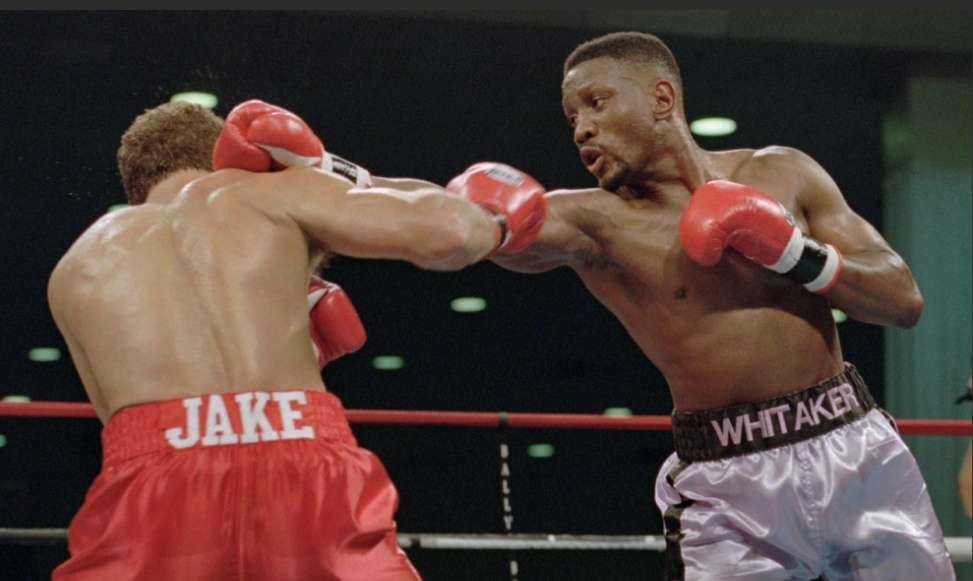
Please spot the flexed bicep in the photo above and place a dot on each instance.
(875, 285)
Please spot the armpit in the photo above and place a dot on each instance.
(591, 257)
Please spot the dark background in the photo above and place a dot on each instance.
(425, 97)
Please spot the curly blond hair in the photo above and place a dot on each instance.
(163, 140)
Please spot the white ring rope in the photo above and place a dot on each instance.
(524, 541)
(960, 548)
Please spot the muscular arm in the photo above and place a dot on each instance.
(561, 240)
(403, 184)
(424, 225)
(876, 285)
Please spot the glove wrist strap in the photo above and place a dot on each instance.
(341, 166)
(830, 271)
(809, 262)
(502, 232)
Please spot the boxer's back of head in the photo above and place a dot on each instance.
(163, 140)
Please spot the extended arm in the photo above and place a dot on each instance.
(561, 240)
(332, 200)
(403, 184)
(428, 226)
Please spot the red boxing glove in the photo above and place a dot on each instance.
(513, 197)
(722, 213)
(335, 327)
(258, 137)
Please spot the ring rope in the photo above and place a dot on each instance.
(959, 548)
(915, 427)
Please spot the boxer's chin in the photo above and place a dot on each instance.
(614, 177)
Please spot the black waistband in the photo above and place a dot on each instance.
(752, 427)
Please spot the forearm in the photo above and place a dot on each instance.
(471, 232)
(453, 233)
(877, 287)
(402, 184)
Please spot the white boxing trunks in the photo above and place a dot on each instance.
(812, 484)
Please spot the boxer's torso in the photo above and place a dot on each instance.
(202, 295)
(731, 333)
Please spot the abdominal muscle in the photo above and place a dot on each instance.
(735, 334)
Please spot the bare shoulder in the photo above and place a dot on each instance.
(244, 186)
(778, 158)
(59, 284)
(791, 161)
(103, 227)
(278, 195)
(787, 172)
(294, 185)
(576, 195)
(577, 204)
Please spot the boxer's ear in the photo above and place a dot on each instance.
(664, 99)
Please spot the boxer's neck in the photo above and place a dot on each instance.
(681, 166)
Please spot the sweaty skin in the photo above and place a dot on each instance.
(203, 289)
(728, 334)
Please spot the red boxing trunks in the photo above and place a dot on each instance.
(236, 486)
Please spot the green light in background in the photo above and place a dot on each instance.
(839, 316)
(15, 399)
(44, 354)
(116, 207)
(467, 304)
(540, 450)
(388, 362)
(200, 98)
(713, 126)
(3, 440)
(618, 412)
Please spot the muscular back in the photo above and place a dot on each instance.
(198, 296)
(728, 334)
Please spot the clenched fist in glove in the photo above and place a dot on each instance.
(260, 137)
(335, 327)
(514, 198)
(723, 213)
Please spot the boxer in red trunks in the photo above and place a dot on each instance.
(187, 318)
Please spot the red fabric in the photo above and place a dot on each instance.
(313, 507)
(335, 326)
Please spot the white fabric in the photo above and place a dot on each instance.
(792, 253)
